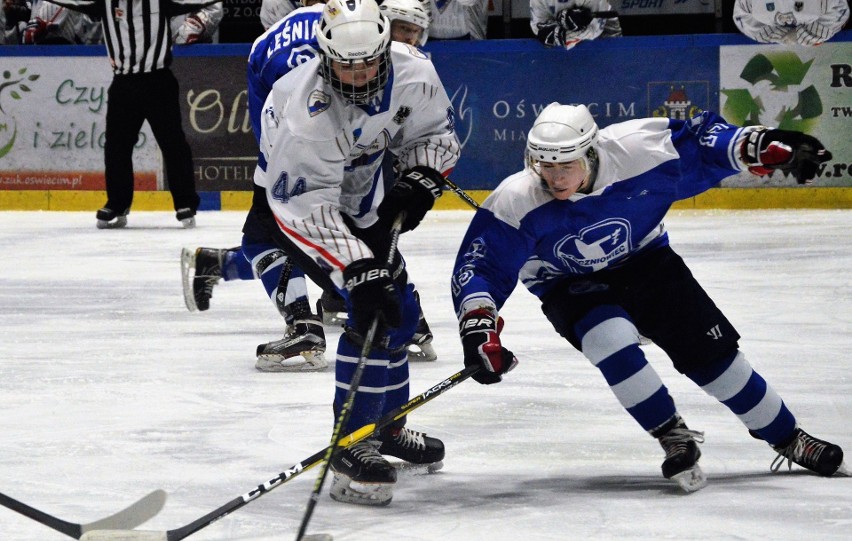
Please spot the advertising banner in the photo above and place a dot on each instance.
(52, 123)
(52, 118)
(216, 122)
(498, 92)
(807, 89)
(664, 7)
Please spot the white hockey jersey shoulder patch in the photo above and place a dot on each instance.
(304, 102)
(516, 197)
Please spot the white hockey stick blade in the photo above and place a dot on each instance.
(125, 535)
(317, 537)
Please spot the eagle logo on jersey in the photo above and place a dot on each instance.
(596, 246)
(318, 101)
(401, 114)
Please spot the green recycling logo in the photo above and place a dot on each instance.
(776, 94)
(16, 85)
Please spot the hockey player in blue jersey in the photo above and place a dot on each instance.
(286, 44)
(582, 228)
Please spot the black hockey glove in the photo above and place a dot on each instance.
(792, 152)
(415, 192)
(574, 19)
(480, 335)
(372, 293)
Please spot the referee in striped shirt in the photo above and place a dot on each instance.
(139, 43)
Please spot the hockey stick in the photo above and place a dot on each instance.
(612, 14)
(346, 408)
(461, 193)
(129, 517)
(294, 471)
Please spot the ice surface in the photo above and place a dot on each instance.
(110, 388)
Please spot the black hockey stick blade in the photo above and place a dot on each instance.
(130, 517)
(611, 14)
(461, 193)
(362, 433)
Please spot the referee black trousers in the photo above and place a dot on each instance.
(133, 99)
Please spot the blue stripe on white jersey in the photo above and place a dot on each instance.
(645, 165)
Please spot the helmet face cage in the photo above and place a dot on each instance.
(352, 33)
(359, 95)
(416, 12)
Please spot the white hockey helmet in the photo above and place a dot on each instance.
(561, 133)
(418, 12)
(353, 31)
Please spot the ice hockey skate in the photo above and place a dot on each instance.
(682, 454)
(110, 219)
(415, 448)
(332, 309)
(362, 476)
(201, 269)
(301, 350)
(186, 217)
(812, 453)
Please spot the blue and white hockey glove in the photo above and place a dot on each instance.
(792, 152)
(371, 294)
(415, 192)
(480, 335)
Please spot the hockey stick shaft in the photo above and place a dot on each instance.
(349, 401)
(611, 14)
(294, 471)
(129, 517)
(461, 193)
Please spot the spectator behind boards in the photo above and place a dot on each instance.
(13, 20)
(458, 19)
(139, 44)
(791, 21)
(272, 11)
(51, 24)
(200, 26)
(565, 23)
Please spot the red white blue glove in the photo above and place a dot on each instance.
(191, 30)
(480, 335)
(35, 31)
(765, 150)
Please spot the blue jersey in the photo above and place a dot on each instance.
(286, 44)
(523, 232)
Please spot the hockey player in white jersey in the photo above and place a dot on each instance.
(582, 227)
(409, 19)
(459, 19)
(565, 23)
(326, 129)
(791, 22)
(286, 44)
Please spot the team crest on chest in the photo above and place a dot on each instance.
(318, 101)
(596, 246)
